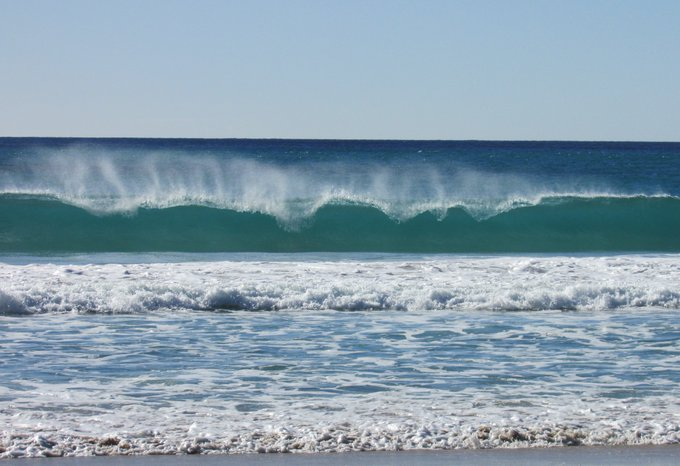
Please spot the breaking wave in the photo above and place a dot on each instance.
(451, 283)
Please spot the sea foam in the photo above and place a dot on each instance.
(454, 283)
(299, 381)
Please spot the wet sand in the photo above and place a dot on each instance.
(624, 455)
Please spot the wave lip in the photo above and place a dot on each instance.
(291, 213)
(289, 188)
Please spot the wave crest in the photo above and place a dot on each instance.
(289, 189)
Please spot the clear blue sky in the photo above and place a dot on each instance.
(551, 69)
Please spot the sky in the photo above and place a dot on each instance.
(369, 69)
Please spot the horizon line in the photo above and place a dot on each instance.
(348, 139)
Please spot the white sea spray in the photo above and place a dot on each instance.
(108, 182)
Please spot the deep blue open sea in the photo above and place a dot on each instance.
(203, 296)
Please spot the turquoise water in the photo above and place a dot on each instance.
(564, 225)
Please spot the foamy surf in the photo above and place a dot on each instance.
(295, 381)
(447, 283)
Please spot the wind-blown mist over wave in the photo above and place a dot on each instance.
(286, 197)
(120, 182)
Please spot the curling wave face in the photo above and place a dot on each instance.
(569, 224)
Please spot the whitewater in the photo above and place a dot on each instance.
(237, 296)
(458, 283)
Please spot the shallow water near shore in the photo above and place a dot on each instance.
(238, 381)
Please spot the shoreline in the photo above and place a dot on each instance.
(621, 455)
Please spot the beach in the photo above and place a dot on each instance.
(624, 456)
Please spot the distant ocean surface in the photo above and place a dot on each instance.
(204, 296)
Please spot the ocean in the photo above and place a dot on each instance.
(169, 296)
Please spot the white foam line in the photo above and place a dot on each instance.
(456, 283)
